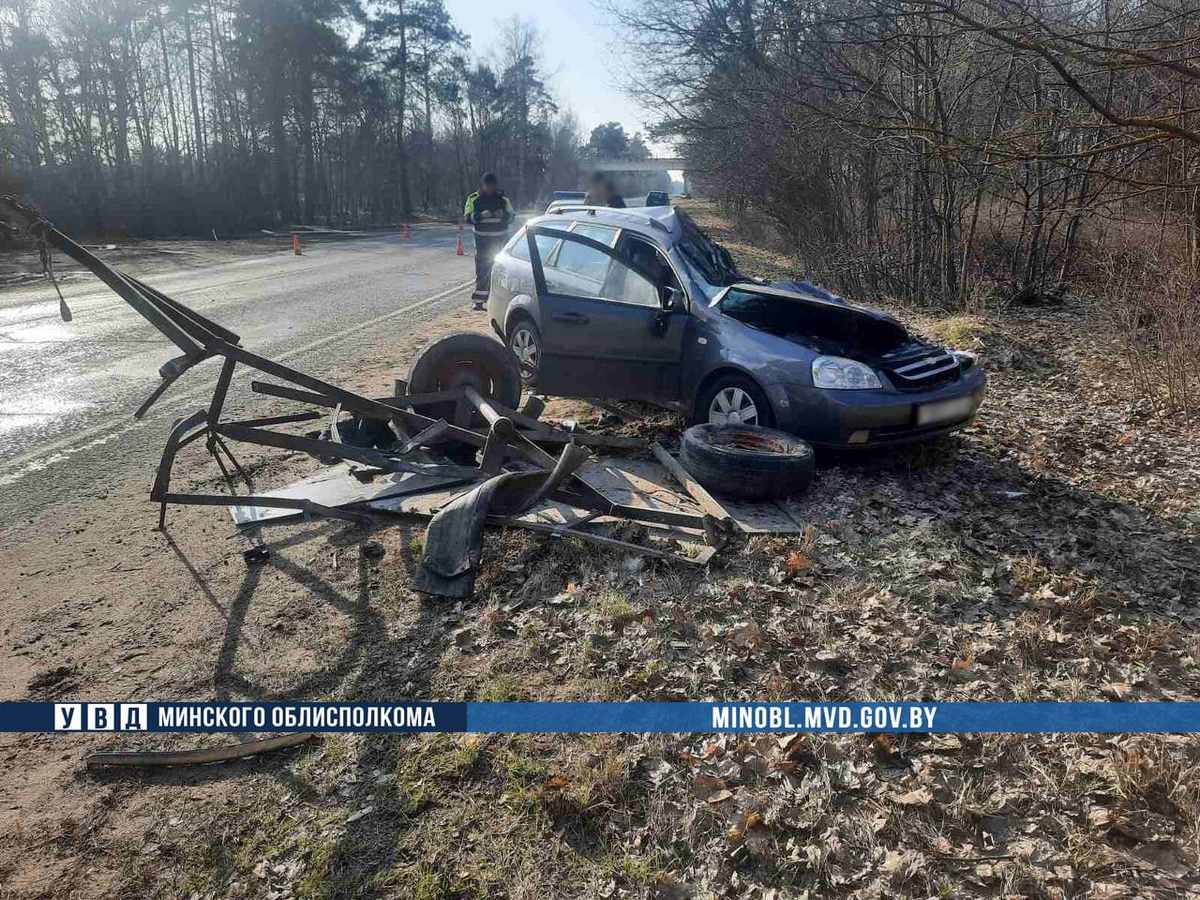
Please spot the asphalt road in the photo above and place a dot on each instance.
(68, 390)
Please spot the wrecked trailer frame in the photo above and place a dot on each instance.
(200, 339)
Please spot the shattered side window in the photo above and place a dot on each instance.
(584, 261)
(582, 271)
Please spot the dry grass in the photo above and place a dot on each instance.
(1158, 317)
(961, 332)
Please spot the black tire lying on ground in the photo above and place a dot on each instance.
(746, 462)
(466, 358)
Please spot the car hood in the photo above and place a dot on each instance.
(809, 290)
(829, 324)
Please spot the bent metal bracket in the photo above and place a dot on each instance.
(511, 440)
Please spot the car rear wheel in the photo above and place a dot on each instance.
(526, 345)
(733, 400)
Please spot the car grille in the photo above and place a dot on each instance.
(919, 367)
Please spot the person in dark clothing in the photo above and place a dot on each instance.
(490, 213)
(602, 192)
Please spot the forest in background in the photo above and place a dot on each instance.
(960, 154)
(916, 133)
(175, 117)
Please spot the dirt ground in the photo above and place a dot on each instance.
(1049, 552)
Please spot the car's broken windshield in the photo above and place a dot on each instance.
(714, 262)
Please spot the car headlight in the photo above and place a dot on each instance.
(836, 373)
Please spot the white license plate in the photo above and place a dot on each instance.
(945, 410)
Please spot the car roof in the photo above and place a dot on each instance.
(656, 223)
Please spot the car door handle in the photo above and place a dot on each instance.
(571, 318)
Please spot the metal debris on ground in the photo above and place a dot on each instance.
(256, 554)
(195, 757)
(453, 446)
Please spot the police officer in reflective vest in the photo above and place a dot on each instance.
(490, 213)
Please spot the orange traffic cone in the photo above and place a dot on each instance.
(458, 250)
(296, 243)
(405, 232)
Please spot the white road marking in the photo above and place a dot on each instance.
(48, 454)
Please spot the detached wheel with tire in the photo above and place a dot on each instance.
(747, 463)
(525, 343)
(733, 400)
(466, 358)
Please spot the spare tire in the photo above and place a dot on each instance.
(746, 462)
(466, 358)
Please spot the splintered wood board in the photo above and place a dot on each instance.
(648, 484)
(638, 483)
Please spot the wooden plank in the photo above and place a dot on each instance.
(697, 491)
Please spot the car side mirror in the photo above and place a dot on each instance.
(672, 300)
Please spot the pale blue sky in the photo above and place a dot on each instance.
(578, 52)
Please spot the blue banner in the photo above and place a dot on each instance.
(574, 718)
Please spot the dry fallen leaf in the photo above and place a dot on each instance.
(788, 739)
(747, 637)
(748, 821)
(944, 742)
(903, 865)
(985, 872)
(916, 797)
(704, 786)
(963, 667)
(797, 562)
(885, 746)
(1117, 690)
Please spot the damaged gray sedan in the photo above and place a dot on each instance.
(640, 304)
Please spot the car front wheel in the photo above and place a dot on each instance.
(733, 400)
(526, 345)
